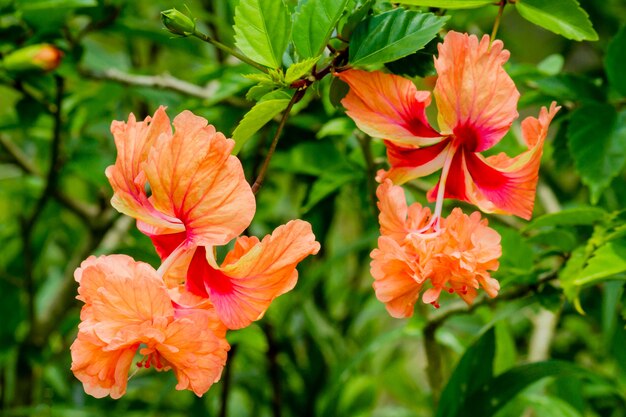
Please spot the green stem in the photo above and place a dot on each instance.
(496, 24)
(261, 176)
(229, 50)
(433, 370)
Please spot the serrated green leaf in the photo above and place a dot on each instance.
(615, 62)
(608, 260)
(579, 216)
(315, 22)
(597, 141)
(256, 118)
(448, 4)
(299, 69)
(563, 17)
(355, 18)
(490, 397)
(256, 92)
(262, 30)
(474, 369)
(392, 35)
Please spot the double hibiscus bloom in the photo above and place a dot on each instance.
(177, 317)
(477, 103)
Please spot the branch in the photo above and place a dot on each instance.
(365, 143)
(273, 368)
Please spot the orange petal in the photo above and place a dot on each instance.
(196, 348)
(254, 273)
(396, 220)
(394, 273)
(133, 141)
(102, 372)
(476, 98)
(410, 163)
(500, 184)
(194, 178)
(388, 106)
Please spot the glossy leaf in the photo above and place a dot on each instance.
(448, 4)
(608, 260)
(563, 17)
(315, 22)
(392, 35)
(615, 62)
(262, 29)
(256, 118)
(300, 69)
(597, 141)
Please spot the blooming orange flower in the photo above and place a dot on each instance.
(200, 199)
(456, 258)
(128, 309)
(477, 103)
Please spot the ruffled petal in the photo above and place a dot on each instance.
(133, 141)
(408, 163)
(102, 372)
(388, 106)
(476, 98)
(194, 178)
(394, 273)
(500, 184)
(196, 349)
(254, 273)
(395, 218)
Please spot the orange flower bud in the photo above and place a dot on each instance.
(42, 56)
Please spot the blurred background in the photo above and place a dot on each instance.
(327, 348)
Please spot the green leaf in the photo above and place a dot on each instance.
(419, 64)
(299, 69)
(608, 260)
(563, 17)
(448, 4)
(328, 183)
(55, 4)
(597, 141)
(262, 29)
(392, 35)
(487, 400)
(256, 118)
(579, 216)
(474, 369)
(315, 22)
(615, 62)
(355, 18)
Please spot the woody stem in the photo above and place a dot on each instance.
(496, 24)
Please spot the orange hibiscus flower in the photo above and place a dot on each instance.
(127, 310)
(411, 254)
(477, 102)
(200, 199)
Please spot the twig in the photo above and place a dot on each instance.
(273, 368)
(229, 50)
(496, 24)
(261, 176)
(365, 142)
(226, 381)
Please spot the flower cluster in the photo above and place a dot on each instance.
(177, 316)
(477, 104)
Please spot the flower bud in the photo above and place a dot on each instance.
(178, 23)
(42, 56)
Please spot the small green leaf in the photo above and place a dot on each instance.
(262, 30)
(392, 35)
(608, 260)
(315, 22)
(448, 4)
(597, 141)
(551, 65)
(474, 369)
(615, 62)
(256, 118)
(299, 69)
(563, 17)
(490, 397)
(579, 216)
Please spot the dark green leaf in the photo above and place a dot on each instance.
(563, 17)
(559, 239)
(392, 35)
(597, 141)
(419, 64)
(615, 62)
(262, 30)
(579, 216)
(315, 22)
(474, 370)
(329, 183)
(355, 18)
(448, 4)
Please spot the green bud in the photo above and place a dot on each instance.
(42, 56)
(178, 23)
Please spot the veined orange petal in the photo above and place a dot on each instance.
(194, 178)
(500, 184)
(395, 218)
(410, 163)
(253, 274)
(133, 141)
(476, 98)
(388, 106)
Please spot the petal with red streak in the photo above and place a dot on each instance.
(408, 163)
(388, 106)
(476, 98)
